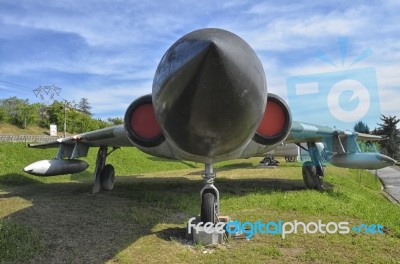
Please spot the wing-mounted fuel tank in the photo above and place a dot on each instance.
(273, 129)
(143, 129)
(56, 167)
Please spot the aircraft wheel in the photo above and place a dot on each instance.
(107, 177)
(208, 208)
(310, 177)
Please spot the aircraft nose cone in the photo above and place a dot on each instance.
(386, 160)
(28, 169)
(209, 93)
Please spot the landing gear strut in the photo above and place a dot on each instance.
(313, 170)
(104, 175)
(209, 197)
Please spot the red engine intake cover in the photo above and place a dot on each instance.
(276, 122)
(141, 124)
(144, 123)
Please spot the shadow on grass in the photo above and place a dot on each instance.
(174, 234)
(21, 179)
(228, 167)
(79, 227)
(245, 165)
(84, 176)
(17, 179)
(190, 165)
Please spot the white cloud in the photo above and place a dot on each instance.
(110, 99)
(296, 34)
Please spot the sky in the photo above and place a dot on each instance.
(335, 62)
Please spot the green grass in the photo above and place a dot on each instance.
(143, 219)
(127, 161)
(18, 242)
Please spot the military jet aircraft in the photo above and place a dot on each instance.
(209, 103)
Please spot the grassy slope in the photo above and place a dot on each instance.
(8, 129)
(148, 212)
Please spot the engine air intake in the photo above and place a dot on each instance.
(276, 122)
(141, 124)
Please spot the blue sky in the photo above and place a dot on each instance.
(108, 51)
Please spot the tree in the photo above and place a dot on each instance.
(9, 107)
(115, 121)
(84, 106)
(56, 113)
(3, 115)
(388, 127)
(18, 112)
(27, 114)
(43, 113)
(361, 127)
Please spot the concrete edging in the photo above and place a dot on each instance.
(27, 138)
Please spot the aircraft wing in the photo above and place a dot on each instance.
(77, 146)
(114, 136)
(368, 137)
(303, 132)
(337, 141)
(341, 147)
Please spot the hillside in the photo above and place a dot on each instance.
(8, 129)
(31, 130)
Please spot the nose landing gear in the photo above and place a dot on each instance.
(209, 196)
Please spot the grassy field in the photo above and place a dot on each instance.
(58, 220)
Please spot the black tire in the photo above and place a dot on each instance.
(107, 177)
(208, 208)
(266, 161)
(310, 177)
